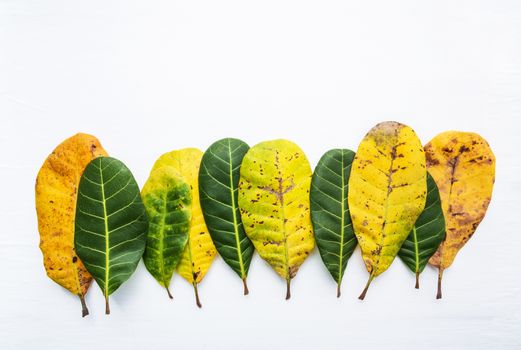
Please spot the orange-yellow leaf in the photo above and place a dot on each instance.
(56, 191)
(463, 166)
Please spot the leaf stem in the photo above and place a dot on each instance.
(440, 275)
(84, 310)
(107, 307)
(364, 292)
(338, 293)
(169, 294)
(288, 289)
(417, 286)
(246, 291)
(197, 301)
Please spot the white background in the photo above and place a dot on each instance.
(147, 77)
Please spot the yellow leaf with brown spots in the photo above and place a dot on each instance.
(463, 166)
(200, 250)
(387, 192)
(274, 204)
(56, 191)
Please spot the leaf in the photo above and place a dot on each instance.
(274, 203)
(387, 190)
(334, 233)
(168, 200)
(218, 185)
(111, 223)
(427, 233)
(56, 188)
(200, 250)
(463, 166)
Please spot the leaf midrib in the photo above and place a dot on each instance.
(416, 250)
(189, 242)
(234, 211)
(386, 207)
(452, 176)
(107, 241)
(342, 221)
(161, 241)
(77, 267)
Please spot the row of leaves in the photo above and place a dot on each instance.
(95, 223)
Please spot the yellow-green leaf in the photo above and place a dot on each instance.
(168, 202)
(463, 166)
(200, 250)
(274, 204)
(387, 191)
(56, 192)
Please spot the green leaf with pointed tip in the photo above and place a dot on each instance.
(218, 187)
(427, 234)
(334, 233)
(168, 199)
(111, 223)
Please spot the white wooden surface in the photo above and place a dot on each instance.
(149, 76)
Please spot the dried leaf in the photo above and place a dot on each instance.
(387, 190)
(463, 166)
(56, 189)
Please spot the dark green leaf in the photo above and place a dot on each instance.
(218, 186)
(111, 223)
(427, 234)
(334, 234)
(168, 199)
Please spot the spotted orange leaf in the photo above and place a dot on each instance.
(463, 166)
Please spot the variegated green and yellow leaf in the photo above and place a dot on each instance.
(274, 203)
(168, 200)
(200, 250)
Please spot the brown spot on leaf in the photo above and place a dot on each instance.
(292, 271)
